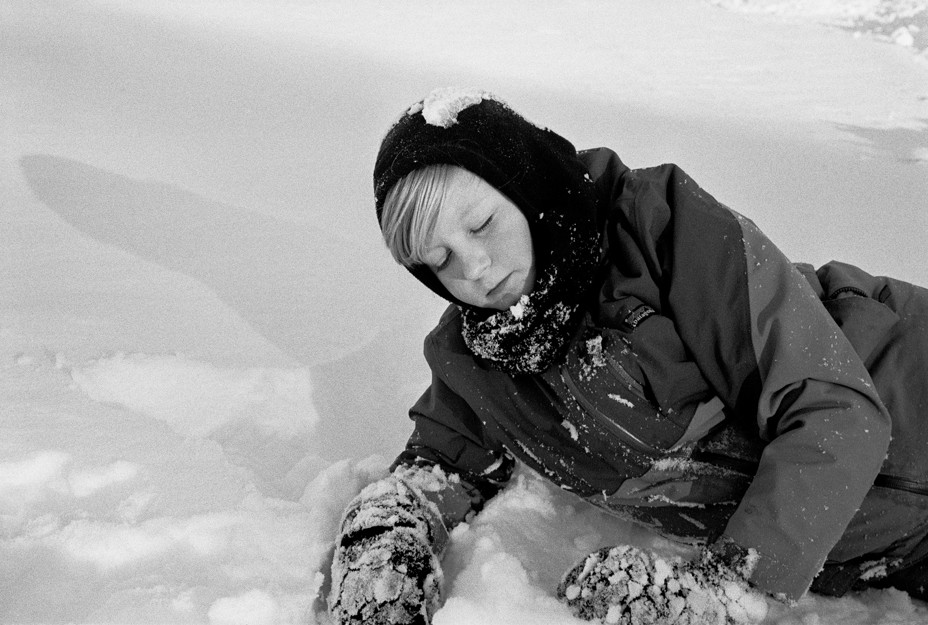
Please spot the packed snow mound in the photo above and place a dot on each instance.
(32, 481)
(262, 418)
(197, 398)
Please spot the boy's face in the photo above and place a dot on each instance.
(481, 248)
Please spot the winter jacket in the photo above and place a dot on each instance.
(713, 390)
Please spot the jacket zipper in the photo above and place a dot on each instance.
(901, 483)
(626, 377)
(633, 441)
(739, 465)
(748, 467)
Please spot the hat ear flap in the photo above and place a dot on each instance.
(425, 275)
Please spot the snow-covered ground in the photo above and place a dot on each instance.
(205, 351)
(902, 22)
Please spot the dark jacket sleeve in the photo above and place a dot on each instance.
(828, 429)
(448, 434)
(769, 348)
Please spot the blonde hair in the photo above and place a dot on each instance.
(411, 209)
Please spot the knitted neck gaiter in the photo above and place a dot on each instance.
(528, 337)
(539, 171)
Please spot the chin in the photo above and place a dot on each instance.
(507, 302)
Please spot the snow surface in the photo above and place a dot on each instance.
(205, 351)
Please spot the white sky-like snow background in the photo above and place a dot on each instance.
(205, 351)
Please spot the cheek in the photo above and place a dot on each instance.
(512, 245)
(520, 247)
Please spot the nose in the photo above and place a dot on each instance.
(475, 262)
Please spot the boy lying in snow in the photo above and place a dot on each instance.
(644, 346)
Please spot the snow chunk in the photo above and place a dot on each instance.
(518, 309)
(614, 614)
(426, 478)
(594, 348)
(903, 36)
(496, 464)
(441, 106)
(621, 400)
(875, 570)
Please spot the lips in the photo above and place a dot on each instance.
(498, 288)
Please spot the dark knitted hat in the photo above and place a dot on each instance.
(534, 167)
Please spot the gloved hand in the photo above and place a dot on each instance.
(630, 586)
(386, 569)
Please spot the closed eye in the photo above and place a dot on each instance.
(444, 263)
(447, 259)
(483, 226)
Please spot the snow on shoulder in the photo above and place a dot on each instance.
(441, 106)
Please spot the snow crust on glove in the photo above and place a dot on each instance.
(386, 569)
(630, 586)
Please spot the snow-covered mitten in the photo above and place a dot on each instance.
(386, 569)
(630, 586)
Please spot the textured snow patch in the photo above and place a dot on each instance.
(114, 545)
(328, 494)
(196, 398)
(86, 482)
(920, 154)
(50, 475)
(254, 607)
(441, 106)
(902, 22)
(27, 477)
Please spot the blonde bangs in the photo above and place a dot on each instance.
(410, 211)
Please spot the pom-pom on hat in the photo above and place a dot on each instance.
(534, 167)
